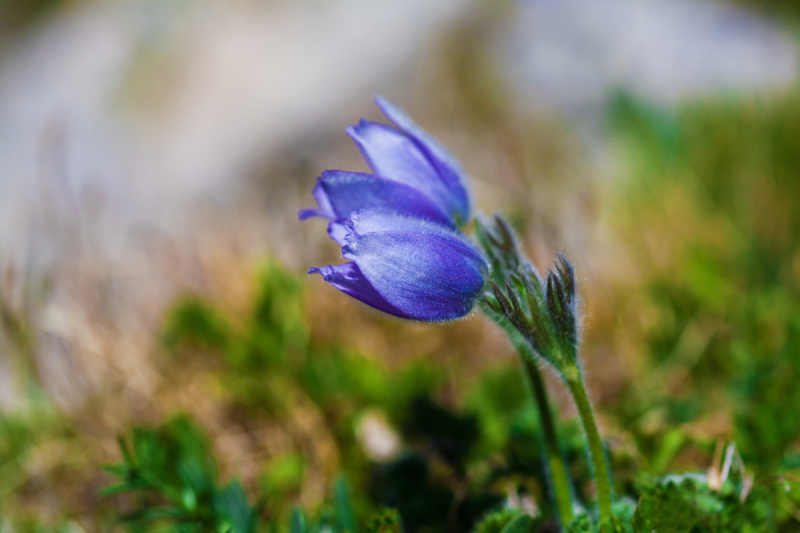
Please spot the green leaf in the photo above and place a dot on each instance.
(193, 321)
(118, 488)
(298, 521)
(117, 469)
(495, 521)
(582, 523)
(233, 505)
(344, 509)
(664, 509)
(155, 513)
(520, 524)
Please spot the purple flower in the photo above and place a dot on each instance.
(398, 226)
(413, 175)
(405, 266)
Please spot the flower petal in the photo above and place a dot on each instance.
(339, 232)
(394, 156)
(349, 279)
(422, 269)
(340, 193)
(447, 166)
(325, 208)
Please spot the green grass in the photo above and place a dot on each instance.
(708, 212)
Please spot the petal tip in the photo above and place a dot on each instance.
(324, 271)
(339, 232)
(354, 130)
(308, 212)
(383, 104)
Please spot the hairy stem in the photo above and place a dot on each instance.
(559, 480)
(602, 477)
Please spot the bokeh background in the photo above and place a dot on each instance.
(153, 155)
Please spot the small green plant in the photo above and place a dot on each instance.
(173, 475)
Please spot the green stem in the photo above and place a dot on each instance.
(559, 479)
(602, 478)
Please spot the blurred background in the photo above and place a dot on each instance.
(154, 153)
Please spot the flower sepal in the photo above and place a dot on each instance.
(544, 310)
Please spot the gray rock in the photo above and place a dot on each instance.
(572, 54)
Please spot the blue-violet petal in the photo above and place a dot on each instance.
(422, 269)
(394, 156)
(339, 193)
(447, 166)
(349, 279)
